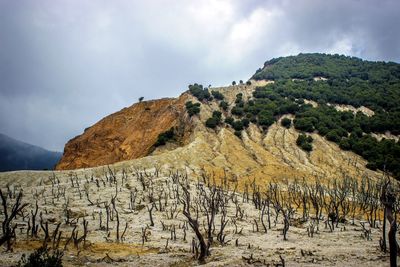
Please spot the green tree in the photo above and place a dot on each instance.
(286, 122)
(224, 105)
(215, 120)
(212, 122)
(304, 124)
(333, 136)
(192, 109)
(304, 142)
(217, 95)
(164, 137)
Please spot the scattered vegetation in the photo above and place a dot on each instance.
(331, 79)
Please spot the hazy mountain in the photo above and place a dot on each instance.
(17, 155)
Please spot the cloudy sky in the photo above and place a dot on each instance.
(66, 64)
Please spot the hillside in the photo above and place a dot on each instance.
(17, 155)
(334, 79)
(348, 101)
(281, 170)
(127, 134)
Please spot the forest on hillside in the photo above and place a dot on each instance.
(327, 80)
(349, 81)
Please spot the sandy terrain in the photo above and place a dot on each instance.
(345, 246)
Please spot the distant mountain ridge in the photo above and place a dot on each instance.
(18, 155)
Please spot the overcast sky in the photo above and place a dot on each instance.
(66, 64)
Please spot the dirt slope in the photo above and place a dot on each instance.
(127, 134)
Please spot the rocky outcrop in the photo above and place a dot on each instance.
(127, 134)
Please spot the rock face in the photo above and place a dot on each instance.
(127, 134)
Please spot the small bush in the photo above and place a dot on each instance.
(217, 95)
(212, 122)
(217, 114)
(239, 96)
(344, 144)
(286, 123)
(224, 105)
(199, 92)
(333, 136)
(237, 125)
(229, 120)
(192, 109)
(215, 120)
(238, 134)
(164, 137)
(304, 124)
(237, 111)
(245, 123)
(304, 142)
(42, 258)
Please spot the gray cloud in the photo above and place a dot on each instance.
(66, 64)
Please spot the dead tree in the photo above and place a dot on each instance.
(34, 226)
(45, 228)
(150, 210)
(194, 223)
(221, 236)
(116, 215)
(286, 224)
(8, 229)
(123, 233)
(265, 204)
(77, 240)
(210, 203)
(388, 199)
(316, 194)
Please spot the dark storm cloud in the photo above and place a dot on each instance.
(66, 64)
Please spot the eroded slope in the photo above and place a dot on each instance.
(127, 134)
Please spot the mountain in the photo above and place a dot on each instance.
(17, 155)
(342, 103)
(289, 167)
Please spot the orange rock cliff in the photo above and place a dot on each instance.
(127, 134)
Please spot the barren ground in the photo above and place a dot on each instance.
(345, 246)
